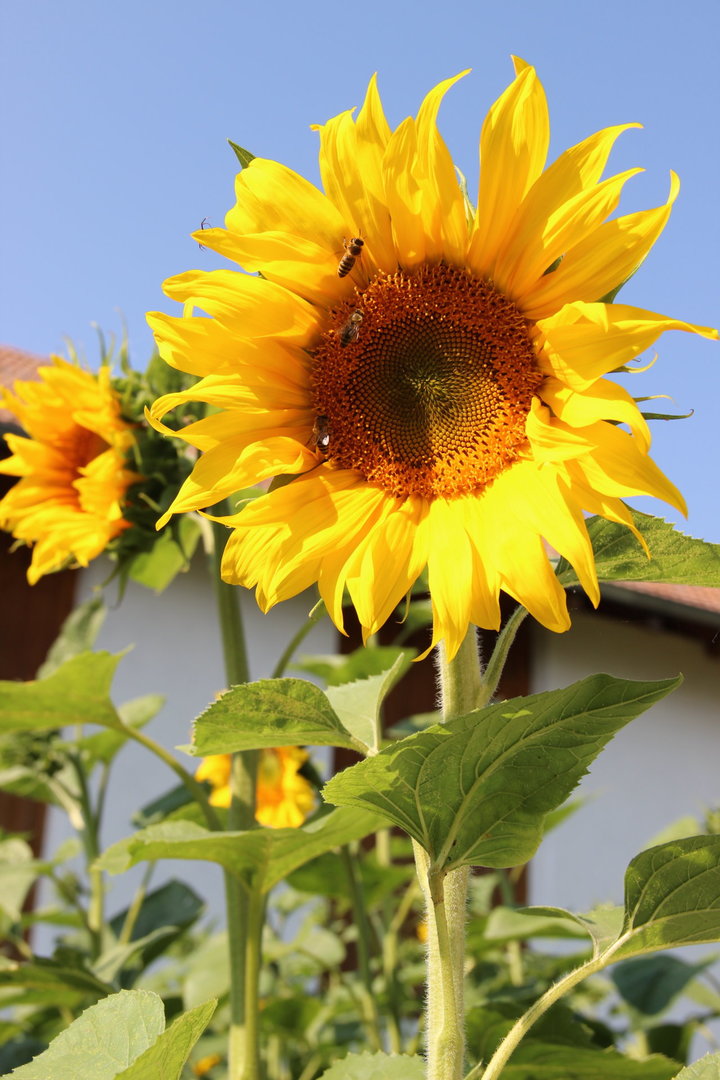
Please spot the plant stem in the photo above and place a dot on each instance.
(496, 663)
(357, 898)
(91, 845)
(446, 894)
(244, 938)
(499, 1060)
(133, 911)
(315, 615)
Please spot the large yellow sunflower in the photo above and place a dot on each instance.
(442, 404)
(283, 798)
(68, 500)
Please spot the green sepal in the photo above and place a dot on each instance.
(243, 156)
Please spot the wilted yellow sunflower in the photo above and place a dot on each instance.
(68, 500)
(443, 402)
(283, 797)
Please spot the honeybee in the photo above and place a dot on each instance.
(321, 435)
(350, 330)
(353, 251)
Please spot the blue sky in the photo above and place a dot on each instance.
(116, 116)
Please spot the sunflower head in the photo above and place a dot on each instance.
(428, 373)
(72, 466)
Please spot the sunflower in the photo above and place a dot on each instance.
(68, 500)
(426, 377)
(284, 798)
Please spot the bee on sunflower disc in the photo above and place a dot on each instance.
(351, 329)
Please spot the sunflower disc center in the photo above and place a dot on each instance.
(430, 396)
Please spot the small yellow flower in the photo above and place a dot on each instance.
(67, 503)
(284, 798)
(431, 375)
(203, 1066)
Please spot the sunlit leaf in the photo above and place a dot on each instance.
(676, 558)
(376, 1067)
(271, 712)
(358, 703)
(707, 1068)
(76, 693)
(103, 1041)
(475, 791)
(260, 857)
(165, 1059)
(672, 896)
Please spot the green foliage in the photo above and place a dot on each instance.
(123, 1036)
(261, 858)
(76, 693)
(651, 983)
(675, 558)
(708, 1068)
(376, 1067)
(474, 791)
(244, 156)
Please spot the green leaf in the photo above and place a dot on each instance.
(113, 959)
(49, 982)
(548, 1061)
(338, 668)
(18, 871)
(169, 556)
(475, 791)
(358, 704)
(260, 857)
(510, 924)
(243, 156)
(672, 896)
(164, 1060)
(102, 746)
(676, 558)
(376, 1067)
(651, 983)
(603, 924)
(271, 712)
(162, 806)
(707, 1068)
(76, 693)
(208, 971)
(102, 1041)
(77, 635)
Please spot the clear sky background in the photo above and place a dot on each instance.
(115, 119)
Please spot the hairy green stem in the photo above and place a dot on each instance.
(496, 1064)
(496, 663)
(461, 688)
(315, 615)
(243, 1044)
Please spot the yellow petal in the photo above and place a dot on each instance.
(584, 341)
(443, 204)
(513, 149)
(601, 261)
(603, 400)
(619, 468)
(404, 195)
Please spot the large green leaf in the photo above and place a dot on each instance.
(475, 791)
(164, 1060)
(672, 897)
(675, 558)
(260, 857)
(358, 703)
(18, 871)
(76, 693)
(651, 983)
(272, 712)
(707, 1068)
(376, 1067)
(103, 1041)
(540, 1061)
(77, 635)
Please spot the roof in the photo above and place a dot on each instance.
(699, 604)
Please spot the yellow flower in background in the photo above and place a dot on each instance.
(430, 376)
(67, 503)
(284, 798)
